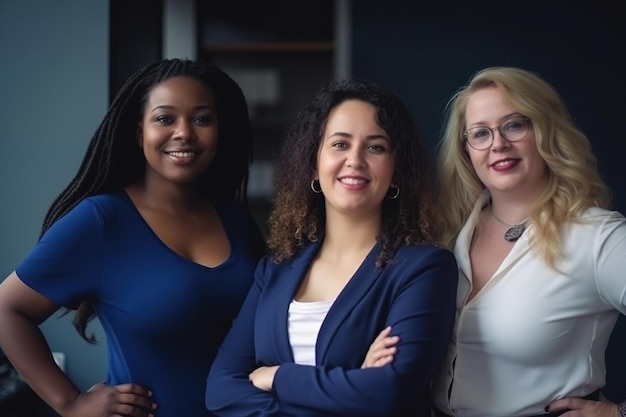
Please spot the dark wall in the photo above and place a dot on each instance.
(424, 53)
(136, 38)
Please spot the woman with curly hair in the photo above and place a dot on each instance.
(153, 237)
(353, 254)
(542, 258)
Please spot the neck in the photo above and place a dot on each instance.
(513, 231)
(513, 206)
(169, 198)
(344, 234)
(509, 211)
(504, 223)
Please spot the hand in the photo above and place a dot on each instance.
(127, 400)
(263, 377)
(584, 408)
(382, 350)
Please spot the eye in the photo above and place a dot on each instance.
(479, 133)
(203, 120)
(513, 125)
(164, 119)
(339, 145)
(377, 148)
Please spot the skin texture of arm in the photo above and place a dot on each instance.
(21, 311)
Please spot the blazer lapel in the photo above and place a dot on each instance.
(354, 291)
(289, 276)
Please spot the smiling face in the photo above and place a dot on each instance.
(355, 162)
(178, 130)
(504, 167)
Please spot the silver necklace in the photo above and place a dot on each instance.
(514, 231)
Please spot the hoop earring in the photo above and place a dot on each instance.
(393, 197)
(316, 191)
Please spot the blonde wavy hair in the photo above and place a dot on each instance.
(573, 185)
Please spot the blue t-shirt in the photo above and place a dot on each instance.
(164, 316)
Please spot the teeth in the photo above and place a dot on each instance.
(503, 163)
(352, 181)
(181, 154)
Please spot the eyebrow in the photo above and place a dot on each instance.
(169, 107)
(502, 119)
(368, 137)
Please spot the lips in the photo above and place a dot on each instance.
(353, 180)
(181, 154)
(505, 164)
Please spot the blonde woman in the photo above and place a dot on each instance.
(542, 257)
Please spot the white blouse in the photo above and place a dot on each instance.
(533, 334)
(305, 320)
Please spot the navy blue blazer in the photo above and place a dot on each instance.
(415, 294)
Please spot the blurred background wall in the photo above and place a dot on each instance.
(54, 72)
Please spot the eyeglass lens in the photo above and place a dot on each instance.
(512, 130)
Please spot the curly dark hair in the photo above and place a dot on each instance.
(298, 214)
(113, 160)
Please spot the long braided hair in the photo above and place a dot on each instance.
(114, 160)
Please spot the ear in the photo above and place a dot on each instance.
(139, 135)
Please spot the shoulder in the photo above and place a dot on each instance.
(108, 206)
(98, 207)
(598, 220)
(425, 260)
(598, 215)
(425, 253)
(106, 201)
(301, 260)
(595, 231)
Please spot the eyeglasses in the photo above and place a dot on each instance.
(513, 130)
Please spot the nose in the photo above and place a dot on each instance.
(183, 131)
(499, 142)
(355, 159)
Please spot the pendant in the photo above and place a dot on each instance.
(514, 232)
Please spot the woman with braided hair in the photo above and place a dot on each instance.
(152, 236)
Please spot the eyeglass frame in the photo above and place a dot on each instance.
(493, 134)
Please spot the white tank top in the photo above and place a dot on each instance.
(305, 320)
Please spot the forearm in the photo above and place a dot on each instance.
(236, 396)
(25, 346)
(341, 391)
